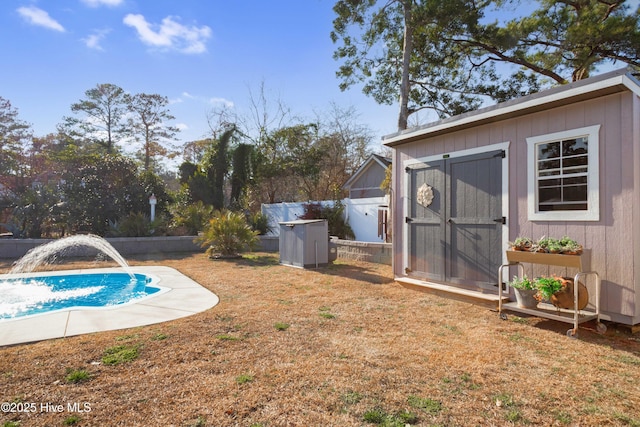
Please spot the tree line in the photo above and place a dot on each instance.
(96, 173)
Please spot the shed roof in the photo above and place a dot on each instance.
(372, 159)
(604, 84)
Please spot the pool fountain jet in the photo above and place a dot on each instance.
(45, 254)
(62, 310)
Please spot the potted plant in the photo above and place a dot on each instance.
(521, 244)
(525, 291)
(570, 246)
(547, 286)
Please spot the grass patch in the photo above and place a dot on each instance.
(120, 354)
(563, 417)
(632, 422)
(517, 319)
(244, 378)
(512, 412)
(71, 420)
(227, 337)
(127, 337)
(629, 360)
(351, 397)
(325, 313)
(382, 418)
(77, 376)
(199, 422)
(280, 326)
(159, 337)
(428, 405)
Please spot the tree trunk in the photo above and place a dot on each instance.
(407, 48)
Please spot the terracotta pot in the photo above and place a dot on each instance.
(564, 297)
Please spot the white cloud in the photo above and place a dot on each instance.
(39, 17)
(221, 101)
(170, 34)
(211, 101)
(93, 40)
(98, 3)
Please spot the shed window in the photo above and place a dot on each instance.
(563, 177)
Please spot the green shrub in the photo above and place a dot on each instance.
(260, 223)
(334, 216)
(228, 234)
(136, 224)
(193, 216)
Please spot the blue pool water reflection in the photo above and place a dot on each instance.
(26, 296)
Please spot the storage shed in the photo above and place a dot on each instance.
(562, 162)
(304, 243)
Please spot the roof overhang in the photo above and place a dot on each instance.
(372, 159)
(605, 84)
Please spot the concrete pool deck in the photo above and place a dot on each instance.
(183, 297)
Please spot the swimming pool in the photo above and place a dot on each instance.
(34, 294)
(179, 296)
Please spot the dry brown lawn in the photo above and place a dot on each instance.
(339, 346)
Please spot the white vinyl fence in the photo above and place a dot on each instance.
(360, 214)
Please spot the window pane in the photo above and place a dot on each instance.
(548, 151)
(571, 147)
(575, 161)
(549, 194)
(549, 164)
(565, 207)
(575, 193)
(550, 183)
(575, 180)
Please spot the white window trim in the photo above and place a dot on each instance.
(593, 176)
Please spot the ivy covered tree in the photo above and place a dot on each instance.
(242, 168)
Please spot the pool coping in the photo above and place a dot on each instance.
(184, 297)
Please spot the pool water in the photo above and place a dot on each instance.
(32, 295)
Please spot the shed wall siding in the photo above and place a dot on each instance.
(610, 239)
(368, 183)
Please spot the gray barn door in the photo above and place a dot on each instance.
(455, 236)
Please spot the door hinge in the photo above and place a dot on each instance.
(502, 220)
(502, 154)
(407, 219)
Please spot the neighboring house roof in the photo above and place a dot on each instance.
(373, 159)
(593, 87)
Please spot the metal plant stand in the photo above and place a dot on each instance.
(575, 315)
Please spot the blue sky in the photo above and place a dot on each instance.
(200, 54)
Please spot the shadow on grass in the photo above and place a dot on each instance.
(262, 259)
(355, 272)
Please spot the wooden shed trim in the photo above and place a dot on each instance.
(604, 84)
